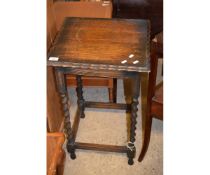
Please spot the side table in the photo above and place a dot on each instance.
(112, 48)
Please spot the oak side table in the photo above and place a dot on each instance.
(113, 48)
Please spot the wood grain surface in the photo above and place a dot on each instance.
(93, 42)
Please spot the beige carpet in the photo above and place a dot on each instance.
(110, 127)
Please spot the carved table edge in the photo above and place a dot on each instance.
(146, 67)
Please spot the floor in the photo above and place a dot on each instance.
(110, 127)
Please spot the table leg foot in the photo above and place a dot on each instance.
(130, 162)
(131, 152)
(73, 155)
(82, 115)
(71, 150)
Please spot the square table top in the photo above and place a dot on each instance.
(106, 44)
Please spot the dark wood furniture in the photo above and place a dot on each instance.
(55, 153)
(56, 13)
(154, 96)
(141, 9)
(90, 47)
(54, 108)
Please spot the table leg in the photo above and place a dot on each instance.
(80, 99)
(113, 91)
(61, 85)
(134, 108)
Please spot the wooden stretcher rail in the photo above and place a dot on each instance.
(106, 105)
(100, 147)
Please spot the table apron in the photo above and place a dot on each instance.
(98, 73)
